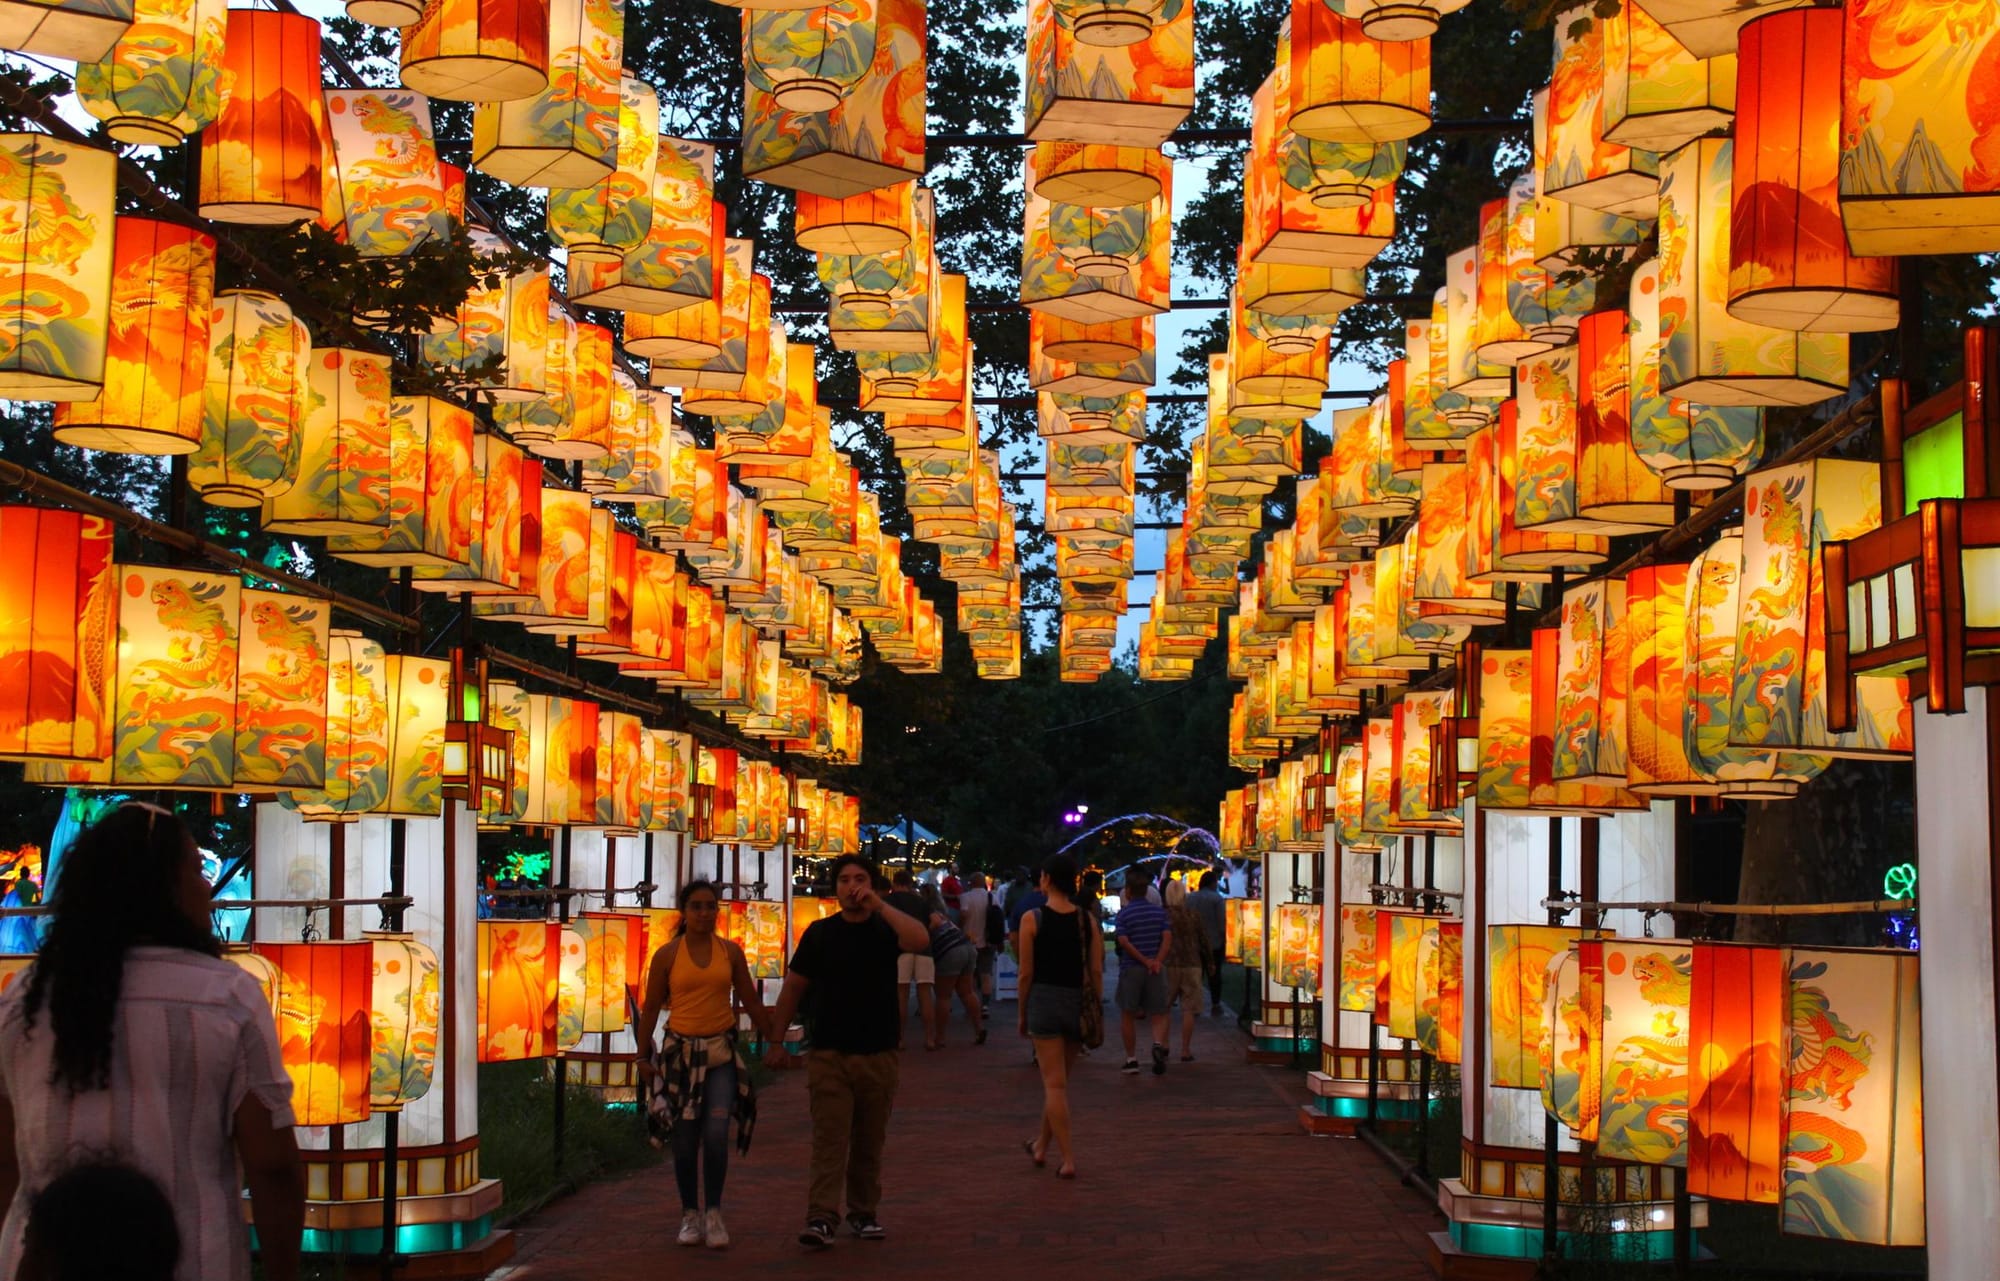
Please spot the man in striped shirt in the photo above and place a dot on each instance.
(1143, 939)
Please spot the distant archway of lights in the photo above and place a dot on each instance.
(1203, 834)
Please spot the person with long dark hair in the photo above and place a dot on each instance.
(703, 1080)
(1062, 958)
(130, 1039)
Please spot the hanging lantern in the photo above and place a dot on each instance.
(1346, 85)
(1738, 1023)
(1546, 301)
(1397, 934)
(70, 29)
(325, 1035)
(391, 191)
(1615, 492)
(1506, 686)
(517, 980)
(1102, 373)
(1575, 160)
(1642, 1035)
(1544, 443)
(888, 302)
(162, 80)
(1572, 1011)
(1092, 264)
(1547, 792)
(1495, 457)
(1358, 929)
(497, 347)
(1313, 204)
(357, 733)
(931, 382)
(1915, 173)
(403, 1014)
(344, 452)
(834, 96)
(742, 337)
(585, 434)
(254, 400)
(700, 330)
(678, 263)
(56, 288)
(419, 690)
(603, 220)
(431, 516)
(1658, 96)
(1119, 72)
(1295, 947)
(478, 50)
(534, 421)
(1778, 699)
(1472, 387)
(1707, 354)
(1707, 28)
(1690, 446)
(1853, 1142)
(1507, 271)
(877, 221)
(162, 295)
(1656, 620)
(1278, 289)
(1098, 174)
(280, 714)
(566, 134)
(1517, 964)
(58, 635)
(264, 160)
(1440, 994)
(1789, 267)
(505, 497)
(1591, 674)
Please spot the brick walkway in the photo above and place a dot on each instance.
(1201, 1173)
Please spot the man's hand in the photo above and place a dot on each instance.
(868, 900)
(647, 1068)
(775, 1057)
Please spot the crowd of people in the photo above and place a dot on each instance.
(141, 1080)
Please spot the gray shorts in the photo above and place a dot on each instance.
(957, 961)
(987, 955)
(1055, 1011)
(1140, 991)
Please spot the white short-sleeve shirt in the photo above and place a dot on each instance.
(193, 1037)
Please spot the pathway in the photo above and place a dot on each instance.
(1202, 1173)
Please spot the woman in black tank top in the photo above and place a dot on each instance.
(1055, 982)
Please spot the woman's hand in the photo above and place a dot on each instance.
(645, 1065)
(1022, 1025)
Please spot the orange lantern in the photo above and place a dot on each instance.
(56, 286)
(1591, 691)
(1114, 73)
(1577, 163)
(833, 98)
(1547, 792)
(391, 189)
(1658, 96)
(478, 50)
(162, 295)
(254, 400)
(585, 434)
(1656, 620)
(606, 218)
(1544, 296)
(431, 516)
(1789, 266)
(613, 956)
(877, 221)
(1440, 995)
(505, 494)
(519, 970)
(403, 1011)
(566, 134)
(160, 82)
(1738, 1022)
(263, 161)
(1291, 216)
(497, 346)
(678, 263)
(1348, 86)
(357, 734)
(1518, 958)
(58, 632)
(1615, 492)
(324, 993)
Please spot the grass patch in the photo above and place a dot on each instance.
(517, 1135)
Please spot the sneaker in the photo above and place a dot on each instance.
(818, 1233)
(865, 1227)
(718, 1236)
(1159, 1060)
(1131, 1067)
(690, 1227)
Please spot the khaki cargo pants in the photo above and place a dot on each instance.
(850, 1096)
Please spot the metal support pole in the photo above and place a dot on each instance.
(560, 1118)
(1374, 1028)
(1683, 1227)
(1551, 1134)
(1424, 1113)
(391, 1159)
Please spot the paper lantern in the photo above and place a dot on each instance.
(516, 989)
(1517, 964)
(1094, 263)
(1573, 1012)
(1348, 85)
(1295, 947)
(58, 633)
(1738, 1024)
(1915, 173)
(1707, 354)
(1853, 1140)
(418, 709)
(612, 956)
(1284, 221)
(1397, 935)
(391, 190)
(1574, 159)
(431, 516)
(56, 288)
(1475, 385)
(478, 50)
(75, 29)
(263, 161)
(162, 80)
(534, 420)
(344, 452)
(743, 338)
(678, 262)
(1548, 791)
(1778, 699)
(1656, 622)
(699, 331)
(1520, 553)
(1545, 301)
(254, 400)
(1506, 687)
(156, 357)
(1714, 586)
(927, 383)
(1591, 674)
(1658, 96)
(385, 13)
(585, 434)
(605, 218)
(325, 1035)
(1642, 1098)
(1690, 446)
(1615, 491)
(497, 346)
(1280, 289)
(279, 718)
(834, 97)
(888, 302)
(357, 733)
(1356, 990)
(403, 1013)
(1119, 72)
(1126, 362)
(1440, 989)
(566, 134)
(1789, 267)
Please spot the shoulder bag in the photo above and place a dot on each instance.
(1090, 1017)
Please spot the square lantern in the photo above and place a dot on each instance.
(604, 219)
(1096, 263)
(1614, 488)
(678, 262)
(1642, 1035)
(1283, 223)
(356, 745)
(388, 184)
(58, 635)
(1656, 622)
(834, 97)
(254, 400)
(1356, 945)
(1440, 996)
(1343, 83)
(78, 30)
(518, 977)
(1657, 95)
(1545, 298)
(1119, 72)
(430, 475)
(1591, 690)
(1577, 163)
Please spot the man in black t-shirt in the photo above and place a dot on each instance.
(846, 964)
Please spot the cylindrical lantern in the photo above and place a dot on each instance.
(162, 81)
(1591, 674)
(403, 1016)
(478, 50)
(497, 347)
(386, 165)
(58, 632)
(162, 301)
(1641, 1094)
(418, 690)
(585, 433)
(1708, 355)
(264, 160)
(518, 975)
(1656, 620)
(1789, 266)
(534, 421)
(325, 1036)
(1690, 446)
(1441, 989)
(344, 456)
(357, 733)
(1517, 963)
(1737, 1026)
(566, 135)
(56, 282)
(1615, 491)
(1347, 86)
(253, 400)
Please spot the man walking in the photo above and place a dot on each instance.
(1143, 939)
(919, 970)
(1208, 909)
(973, 902)
(846, 965)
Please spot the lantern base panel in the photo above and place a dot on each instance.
(1699, 476)
(674, 348)
(1755, 390)
(583, 451)
(54, 33)
(252, 214)
(384, 13)
(1329, 301)
(899, 341)
(1093, 307)
(1120, 123)
(828, 174)
(22, 384)
(231, 495)
(142, 131)
(1100, 188)
(1632, 194)
(853, 238)
(1376, 122)
(724, 381)
(642, 299)
(1078, 382)
(1661, 132)
(1304, 392)
(111, 438)
(1092, 351)
(1319, 249)
(719, 404)
(474, 79)
(1513, 352)
(1829, 311)
(541, 166)
(1954, 223)
(479, 1259)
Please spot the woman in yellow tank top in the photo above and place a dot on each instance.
(700, 1080)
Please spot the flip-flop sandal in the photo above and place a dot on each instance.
(1187, 1058)
(1028, 1146)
